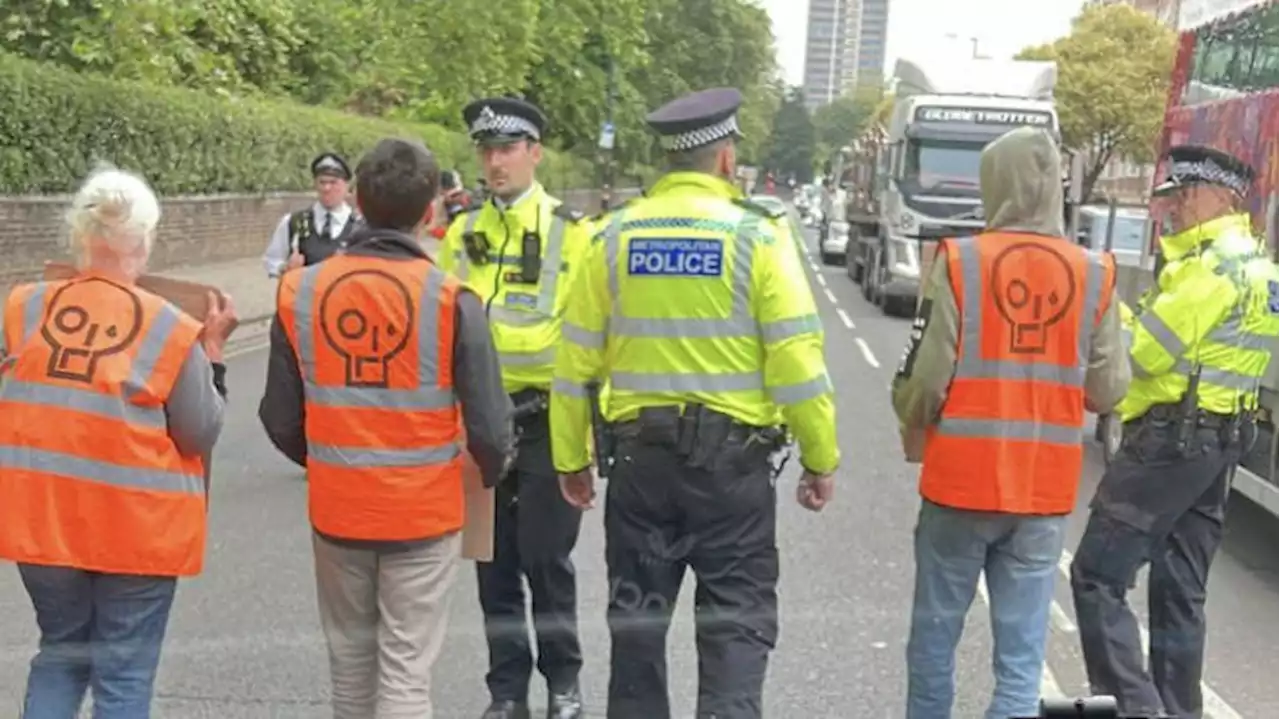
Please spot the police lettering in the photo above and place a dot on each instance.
(675, 258)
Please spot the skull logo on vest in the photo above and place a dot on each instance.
(365, 317)
(86, 321)
(1033, 288)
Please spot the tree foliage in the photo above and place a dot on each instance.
(837, 124)
(422, 60)
(792, 144)
(1113, 80)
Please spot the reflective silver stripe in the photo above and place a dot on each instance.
(515, 318)
(572, 389)
(428, 395)
(372, 457)
(464, 264)
(1006, 429)
(1163, 334)
(686, 382)
(739, 323)
(793, 393)
(68, 465)
(1221, 377)
(972, 365)
(527, 359)
(150, 349)
(82, 400)
(790, 327)
(582, 337)
(552, 259)
(1231, 332)
(32, 316)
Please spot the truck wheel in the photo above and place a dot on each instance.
(1111, 431)
(869, 276)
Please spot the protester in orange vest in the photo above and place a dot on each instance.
(1016, 335)
(378, 360)
(111, 400)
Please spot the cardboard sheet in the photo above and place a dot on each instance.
(190, 297)
(477, 533)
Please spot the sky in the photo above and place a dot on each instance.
(920, 28)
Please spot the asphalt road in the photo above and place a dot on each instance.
(245, 640)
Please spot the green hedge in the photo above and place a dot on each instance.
(55, 125)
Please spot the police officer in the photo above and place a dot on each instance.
(518, 250)
(693, 310)
(310, 235)
(1199, 350)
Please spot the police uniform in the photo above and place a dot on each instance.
(693, 312)
(520, 256)
(316, 232)
(1200, 347)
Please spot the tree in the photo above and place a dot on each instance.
(1113, 80)
(837, 123)
(792, 143)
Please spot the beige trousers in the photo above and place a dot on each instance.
(384, 617)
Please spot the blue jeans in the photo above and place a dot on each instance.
(96, 630)
(1019, 555)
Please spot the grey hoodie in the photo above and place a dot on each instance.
(1021, 185)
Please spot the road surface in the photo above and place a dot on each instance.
(245, 642)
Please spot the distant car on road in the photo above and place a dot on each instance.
(769, 202)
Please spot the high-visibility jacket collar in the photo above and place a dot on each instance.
(1180, 244)
(524, 202)
(699, 183)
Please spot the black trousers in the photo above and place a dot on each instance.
(661, 517)
(535, 531)
(1164, 506)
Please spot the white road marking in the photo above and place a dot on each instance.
(1215, 707)
(831, 295)
(1058, 617)
(866, 352)
(1048, 684)
(844, 317)
(821, 280)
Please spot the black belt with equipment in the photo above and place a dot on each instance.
(530, 403)
(700, 435)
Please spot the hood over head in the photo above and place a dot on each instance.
(1021, 183)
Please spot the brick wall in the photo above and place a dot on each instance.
(193, 230)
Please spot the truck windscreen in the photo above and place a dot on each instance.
(940, 165)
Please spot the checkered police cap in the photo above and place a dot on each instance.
(1195, 165)
(503, 118)
(683, 141)
(1207, 171)
(697, 119)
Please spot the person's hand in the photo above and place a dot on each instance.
(296, 260)
(579, 489)
(219, 322)
(815, 490)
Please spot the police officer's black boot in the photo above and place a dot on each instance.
(565, 705)
(507, 710)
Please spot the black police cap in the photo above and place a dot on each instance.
(330, 164)
(697, 119)
(500, 120)
(1199, 165)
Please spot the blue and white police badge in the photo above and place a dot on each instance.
(675, 258)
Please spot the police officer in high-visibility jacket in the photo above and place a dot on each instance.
(379, 361)
(692, 308)
(1201, 346)
(111, 400)
(1017, 334)
(519, 250)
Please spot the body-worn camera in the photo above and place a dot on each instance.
(476, 245)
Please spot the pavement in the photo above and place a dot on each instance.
(244, 640)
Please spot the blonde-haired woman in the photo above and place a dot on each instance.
(111, 402)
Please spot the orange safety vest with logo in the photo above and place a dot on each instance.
(1011, 432)
(89, 476)
(374, 342)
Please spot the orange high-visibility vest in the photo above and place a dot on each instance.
(374, 342)
(89, 476)
(1011, 432)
